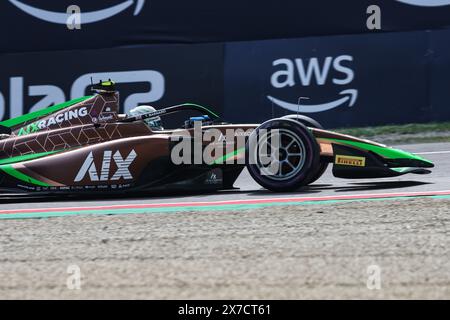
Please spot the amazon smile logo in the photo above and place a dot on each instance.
(307, 72)
(426, 3)
(86, 17)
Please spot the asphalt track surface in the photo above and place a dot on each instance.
(327, 185)
(319, 249)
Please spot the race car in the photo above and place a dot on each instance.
(86, 146)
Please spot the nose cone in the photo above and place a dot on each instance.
(406, 159)
(424, 163)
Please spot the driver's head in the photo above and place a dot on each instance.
(154, 123)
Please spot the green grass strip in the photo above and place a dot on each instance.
(411, 128)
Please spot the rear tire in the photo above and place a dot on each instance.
(310, 122)
(299, 155)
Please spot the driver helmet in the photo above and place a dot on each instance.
(154, 123)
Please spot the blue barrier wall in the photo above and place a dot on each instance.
(27, 25)
(351, 80)
(159, 75)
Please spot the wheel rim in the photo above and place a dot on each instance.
(291, 155)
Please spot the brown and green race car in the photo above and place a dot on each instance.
(86, 146)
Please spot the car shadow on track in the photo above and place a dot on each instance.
(141, 195)
(316, 189)
(354, 186)
(136, 196)
(367, 186)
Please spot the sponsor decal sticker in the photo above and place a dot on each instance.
(123, 164)
(350, 161)
(306, 72)
(214, 177)
(103, 117)
(57, 119)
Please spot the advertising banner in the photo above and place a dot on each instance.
(439, 86)
(156, 75)
(45, 25)
(341, 81)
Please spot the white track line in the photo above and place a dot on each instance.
(432, 152)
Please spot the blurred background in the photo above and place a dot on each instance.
(360, 63)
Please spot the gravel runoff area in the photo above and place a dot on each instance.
(298, 252)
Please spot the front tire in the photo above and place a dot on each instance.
(298, 155)
(310, 122)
